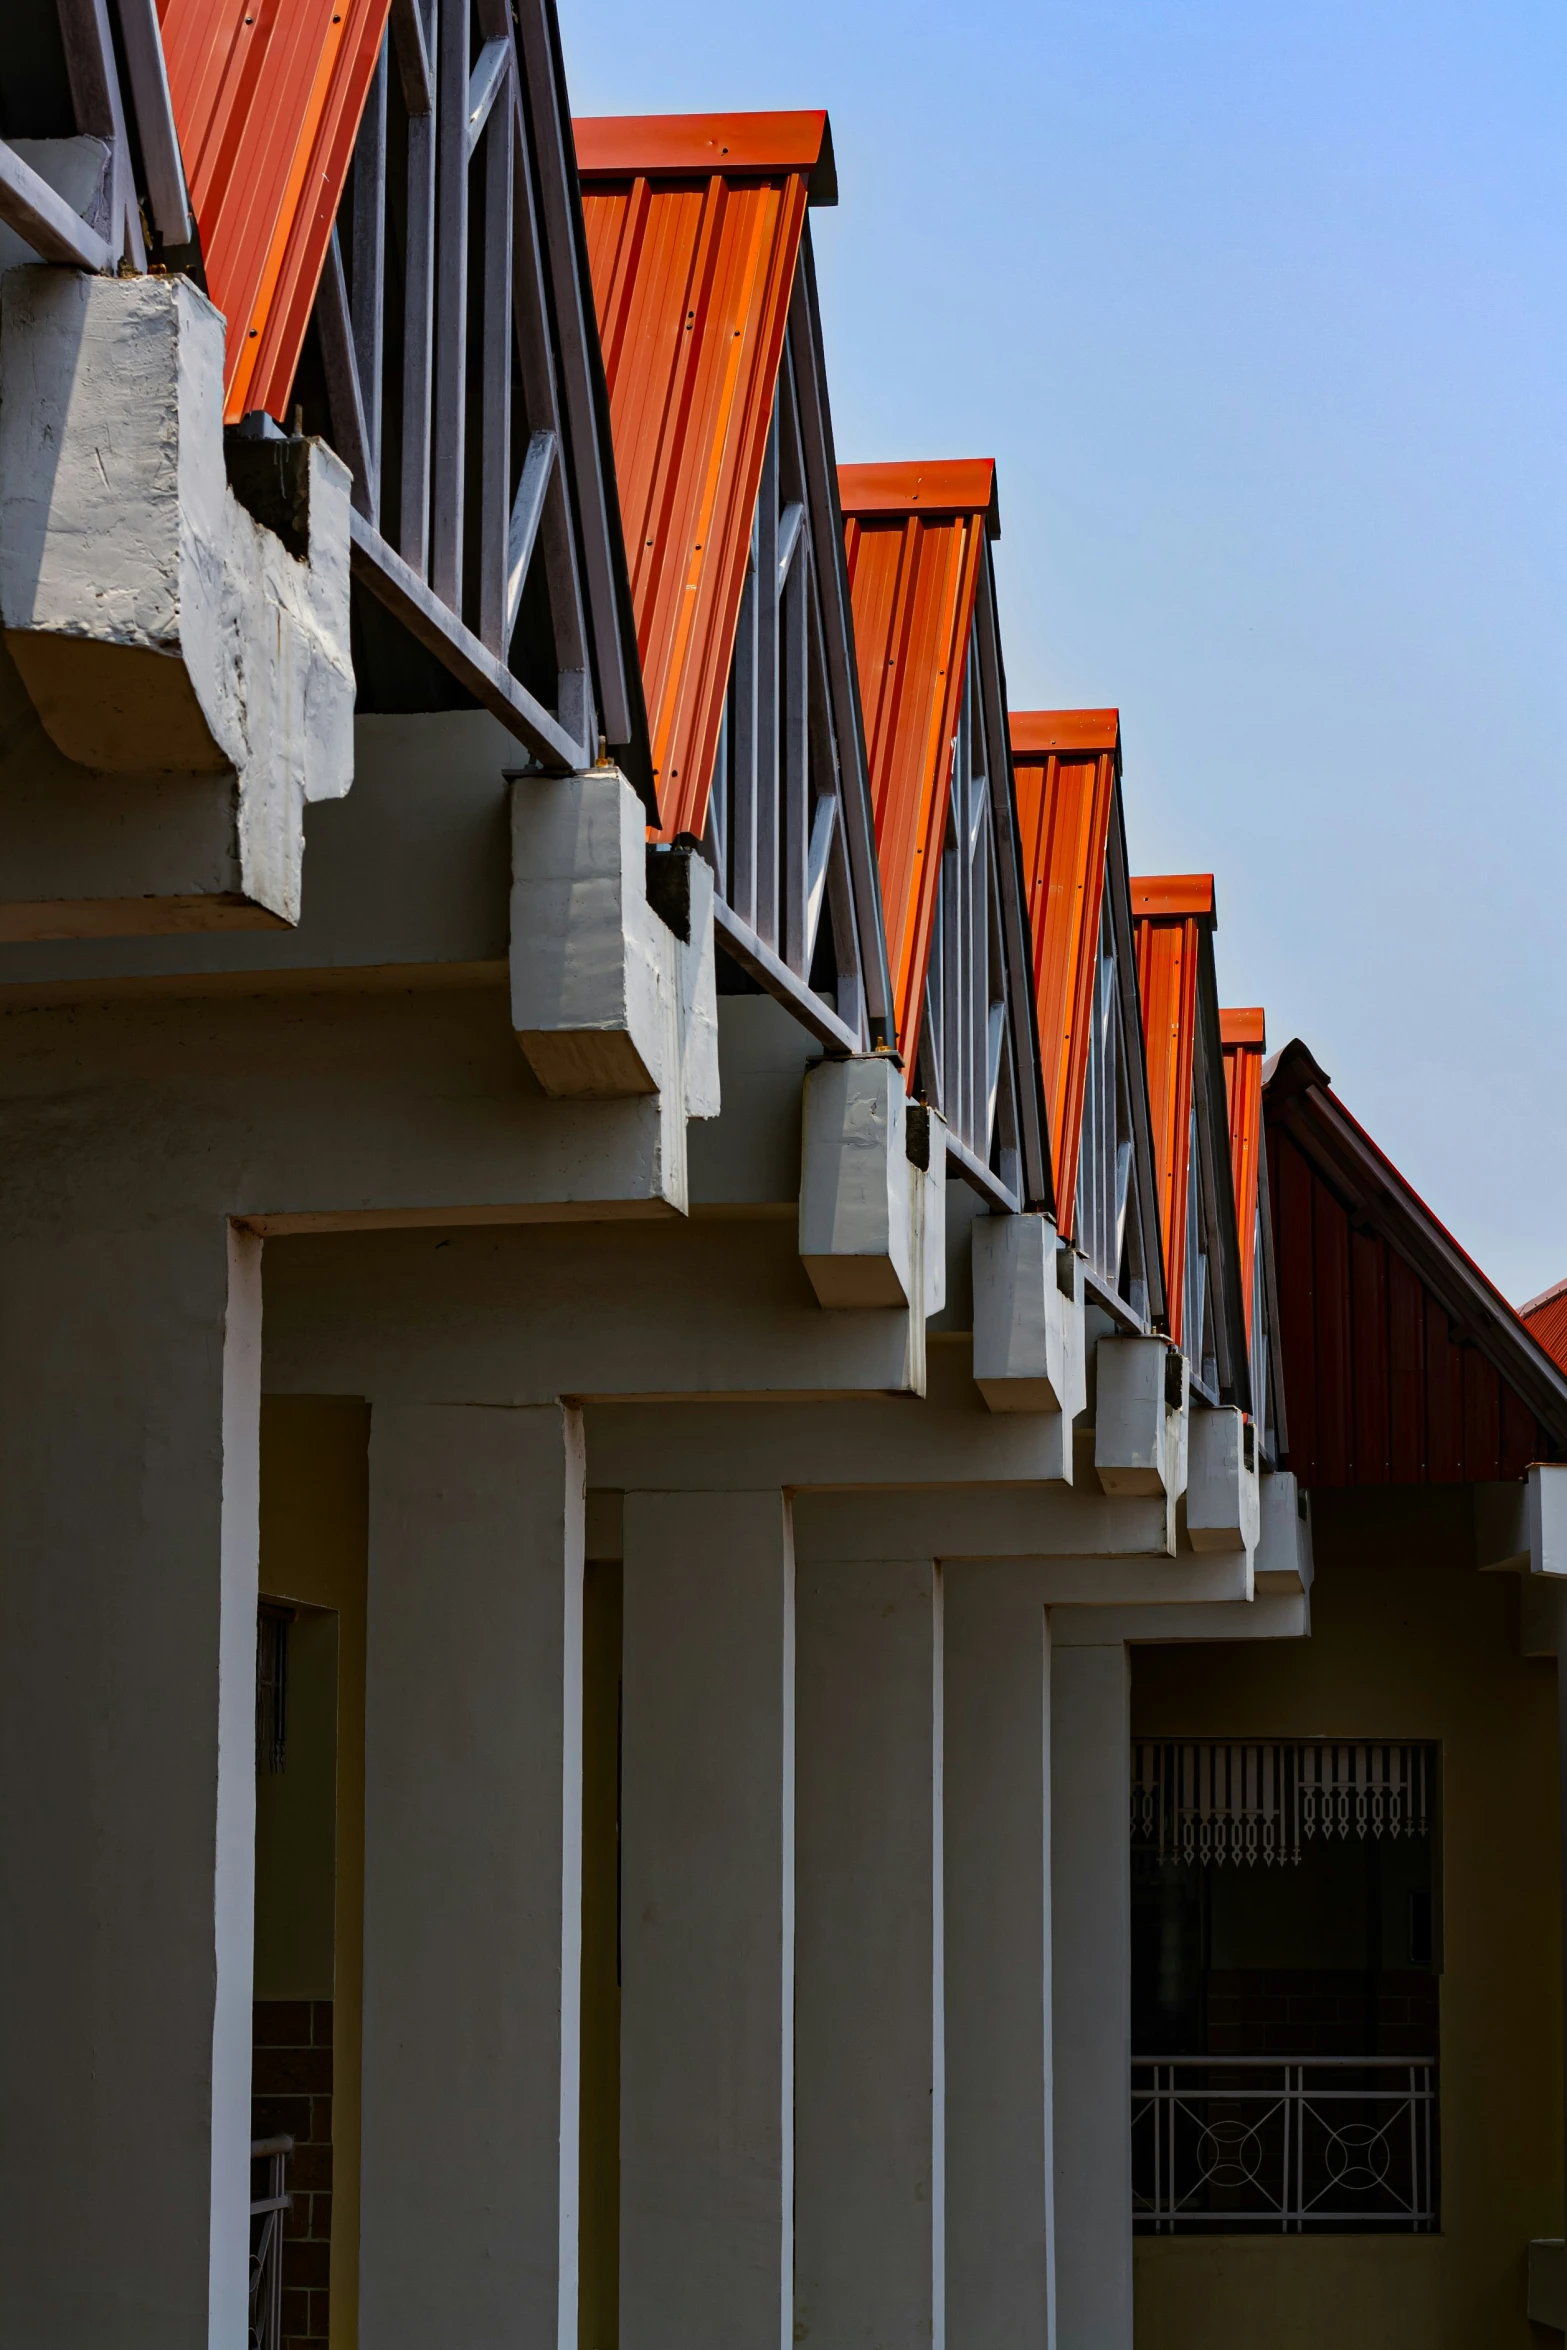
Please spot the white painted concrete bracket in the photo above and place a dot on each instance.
(607, 1002)
(1139, 1418)
(1284, 1555)
(159, 628)
(855, 1205)
(1028, 1317)
(1222, 1506)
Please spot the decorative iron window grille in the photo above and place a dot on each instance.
(1233, 1800)
(1289, 2145)
(272, 1624)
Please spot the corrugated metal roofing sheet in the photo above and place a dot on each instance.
(1545, 1317)
(1403, 1364)
(694, 226)
(1168, 911)
(915, 538)
(1245, 1038)
(267, 98)
(1065, 763)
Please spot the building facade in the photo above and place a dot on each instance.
(633, 1268)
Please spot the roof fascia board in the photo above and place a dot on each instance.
(702, 146)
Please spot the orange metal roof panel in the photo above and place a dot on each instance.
(1244, 1036)
(702, 144)
(692, 274)
(1161, 895)
(1167, 955)
(913, 579)
(1065, 795)
(267, 98)
(1035, 733)
(1545, 1319)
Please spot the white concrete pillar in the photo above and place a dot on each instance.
(1091, 1902)
(1000, 2238)
(869, 2074)
(473, 1870)
(129, 1462)
(707, 1923)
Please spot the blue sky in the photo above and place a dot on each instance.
(1262, 311)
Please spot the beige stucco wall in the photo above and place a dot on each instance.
(1408, 1641)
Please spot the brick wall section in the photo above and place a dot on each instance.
(1279, 2011)
(291, 2089)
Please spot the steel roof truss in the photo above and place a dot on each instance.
(781, 824)
(460, 127)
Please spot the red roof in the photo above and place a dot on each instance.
(1169, 909)
(267, 100)
(1403, 1364)
(694, 228)
(915, 537)
(1244, 1037)
(1545, 1318)
(1066, 763)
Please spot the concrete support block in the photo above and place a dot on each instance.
(160, 629)
(473, 1871)
(707, 1908)
(1548, 1518)
(1000, 2225)
(608, 999)
(854, 1183)
(130, 1373)
(1222, 1507)
(869, 2196)
(1028, 1317)
(1140, 1416)
(1284, 1559)
(1091, 1909)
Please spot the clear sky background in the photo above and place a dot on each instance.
(1262, 311)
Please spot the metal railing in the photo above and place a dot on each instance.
(266, 2243)
(1253, 2144)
